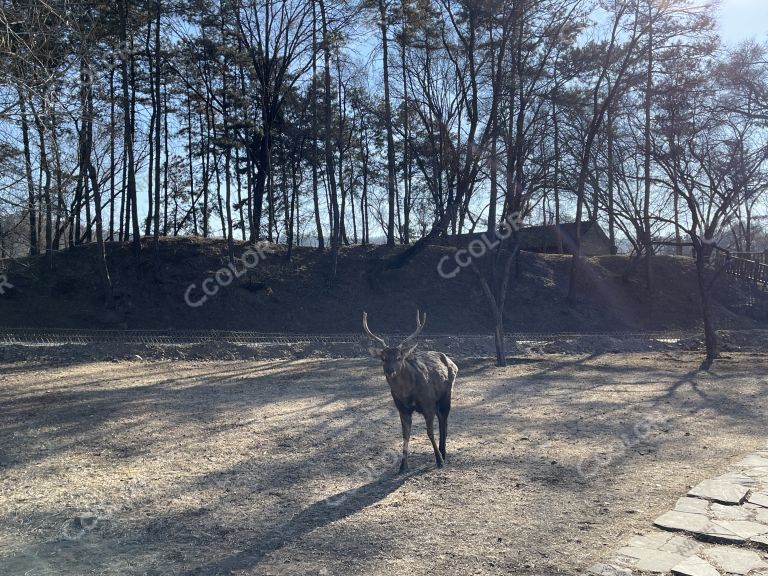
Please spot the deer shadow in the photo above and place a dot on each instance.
(317, 515)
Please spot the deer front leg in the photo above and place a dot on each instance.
(430, 419)
(405, 422)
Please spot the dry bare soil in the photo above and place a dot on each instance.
(288, 467)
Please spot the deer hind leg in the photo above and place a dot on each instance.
(442, 420)
(430, 420)
(443, 409)
(405, 422)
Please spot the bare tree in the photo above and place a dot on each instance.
(702, 149)
(278, 37)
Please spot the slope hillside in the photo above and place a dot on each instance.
(275, 295)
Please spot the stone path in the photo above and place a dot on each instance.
(719, 528)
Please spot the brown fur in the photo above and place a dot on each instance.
(420, 382)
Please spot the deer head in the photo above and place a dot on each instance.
(393, 357)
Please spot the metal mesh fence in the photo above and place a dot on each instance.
(85, 336)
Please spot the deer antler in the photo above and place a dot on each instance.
(421, 319)
(371, 334)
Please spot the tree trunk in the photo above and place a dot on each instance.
(340, 147)
(166, 162)
(206, 166)
(329, 169)
(190, 163)
(407, 171)
(364, 195)
(101, 260)
(227, 163)
(60, 210)
(495, 292)
(150, 137)
(498, 341)
(293, 219)
(556, 176)
(611, 183)
(46, 170)
(158, 128)
(710, 336)
(128, 130)
(494, 175)
(647, 157)
(112, 154)
(315, 196)
(678, 237)
(31, 204)
(391, 191)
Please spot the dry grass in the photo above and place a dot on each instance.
(287, 467)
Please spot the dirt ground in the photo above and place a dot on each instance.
(289, 466)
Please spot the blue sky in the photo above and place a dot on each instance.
(743, 19)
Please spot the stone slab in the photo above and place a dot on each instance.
(683, 545)
(720, 491)
(754, 460)
(723, 512)
(742, 528)
(741, 478)
(761, 541)
(633, 552)
(735, 560)
(694, 566)
(696, 524)
(731, 509)
(759, 473)
(692, 505)
(759, 498)
(666, 541)
(602, 569)
(652, 541)
(658, 561)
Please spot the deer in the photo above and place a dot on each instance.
(419, 382)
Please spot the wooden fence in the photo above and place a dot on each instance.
(750, 270)
(761, 257)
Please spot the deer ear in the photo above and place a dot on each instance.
(407, 351)
(375, 352)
